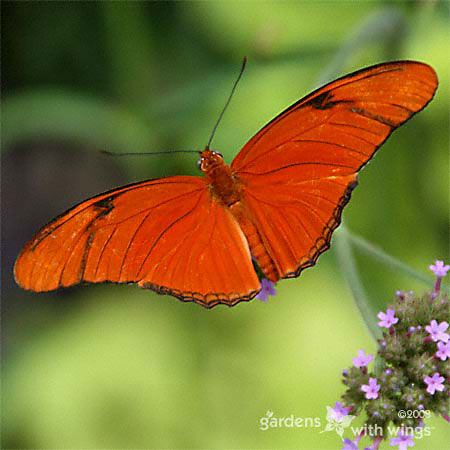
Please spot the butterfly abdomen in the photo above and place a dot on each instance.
(227, 188)
(255, 242)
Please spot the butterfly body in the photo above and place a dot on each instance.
(224, 184)
(277, 203)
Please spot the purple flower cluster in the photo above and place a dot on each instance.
(412, 367)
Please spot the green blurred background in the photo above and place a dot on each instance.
(119, 367)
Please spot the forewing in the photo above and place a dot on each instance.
(298, 171)
(169, 235)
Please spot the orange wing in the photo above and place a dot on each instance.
(299, 170)
(169, 235)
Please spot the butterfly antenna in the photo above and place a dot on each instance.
(105, 152)
(244, 63)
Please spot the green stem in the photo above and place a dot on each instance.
(348, 265)
(380, 25)
(380, 255)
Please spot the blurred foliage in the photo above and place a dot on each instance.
(118, 367)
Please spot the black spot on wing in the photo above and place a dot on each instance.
(324, 101)
(104, 206)
(84, 258)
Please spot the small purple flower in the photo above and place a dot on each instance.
(434, 383)
(376, 443)
(362, 360)
(439, 269)
(340, 411)
(387, 319)
(443, 350)
(402, 440)
(437, 331)
(267, 290)
(349, 445)
(371, 389)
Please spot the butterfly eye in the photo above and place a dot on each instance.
(218, 154)
(199, 164)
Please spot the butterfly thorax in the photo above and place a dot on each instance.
(223, 183)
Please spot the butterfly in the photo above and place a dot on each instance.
(277, 204)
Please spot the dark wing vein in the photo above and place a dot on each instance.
(357, 127)
(103, 249)
(165, 231)
(130, 241)
(355, 136)
(304, 163)
(335, 144)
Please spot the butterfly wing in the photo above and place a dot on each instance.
(169, 235)
(299, 170)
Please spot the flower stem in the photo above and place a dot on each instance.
(348, 265)
(437, 287)
(379, 254)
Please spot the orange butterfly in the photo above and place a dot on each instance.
(279, 201)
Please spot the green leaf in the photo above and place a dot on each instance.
(64, 114)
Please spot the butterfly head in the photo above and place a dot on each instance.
(209, 159)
